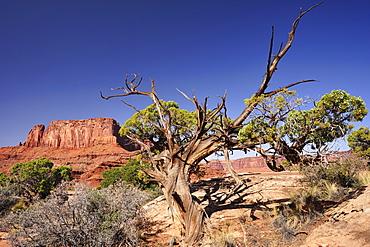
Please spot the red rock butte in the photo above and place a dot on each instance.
(92, 146)
(74, 134)
(88, 146)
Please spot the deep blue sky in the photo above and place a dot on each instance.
(55, 56)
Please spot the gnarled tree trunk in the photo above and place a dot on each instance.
(172, 167)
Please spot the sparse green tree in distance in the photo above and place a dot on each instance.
(359, 141)
(4, 180)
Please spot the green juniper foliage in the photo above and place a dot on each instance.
(140, 125)
(359, 141)
(289, 131)
(130, 173)
(39, 178)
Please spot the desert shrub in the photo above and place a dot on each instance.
(108, 217)
(8, 198)
(4, 179)
(38, 178)
(322, 184)
(363, 177)
(223, 237)
(9, 194)
(131, 174)
(342, 172)
(301, 211)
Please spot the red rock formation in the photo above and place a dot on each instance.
(247, 164)
(92, 146)
(87, 163)
(35, 136)
(74, 134)
(88, 146)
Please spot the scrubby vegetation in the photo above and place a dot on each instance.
(29, 182)
(40, 207)
(38, 178)
(359, 141)
(130, 173)
(88, 217)
(8, 198)
(324, 185)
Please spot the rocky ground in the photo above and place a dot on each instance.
(247, 222)
(241, 217)
(345, 225)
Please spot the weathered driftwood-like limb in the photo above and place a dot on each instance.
(230, 168)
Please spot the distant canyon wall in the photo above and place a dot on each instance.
(74, 134)
(247, 164)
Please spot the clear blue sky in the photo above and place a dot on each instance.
(55, 56)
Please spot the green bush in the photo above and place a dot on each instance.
(38, 178)
(4, 180)
(130, 173)
(359, 141)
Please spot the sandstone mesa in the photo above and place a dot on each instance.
(92, 146)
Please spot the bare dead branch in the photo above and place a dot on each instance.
(272, 68)
(183, 94)
(143, 116)
(219, 107)
(288, 86)
(270, 51)
(230, 168)
(129, 88)
(132, 85)
(283, 51)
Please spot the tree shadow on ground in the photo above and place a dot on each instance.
(219, 194)
(223, 193)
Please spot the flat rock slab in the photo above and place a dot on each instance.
(347, 225)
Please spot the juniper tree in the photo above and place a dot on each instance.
(213, 131)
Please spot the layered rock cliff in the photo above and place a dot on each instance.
(87, 163)
(34, 138)
(88, 146)
(74, 134)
